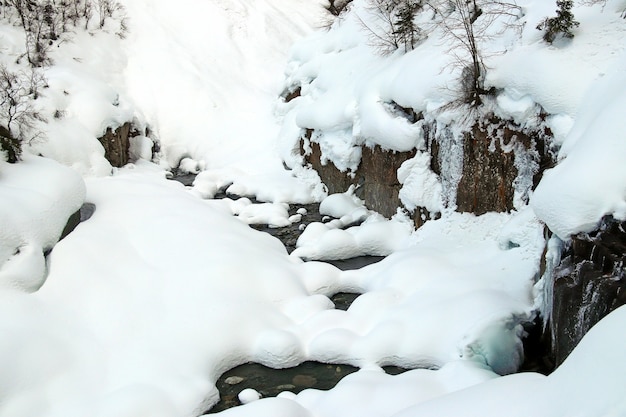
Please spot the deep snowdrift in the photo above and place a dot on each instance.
(38, 195)
(145, 304)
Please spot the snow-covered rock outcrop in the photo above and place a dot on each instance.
(38, 196)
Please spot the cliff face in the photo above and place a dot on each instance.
(116, 145)
(588, 284)
(492, 167)
(376, 176)
(501, 164)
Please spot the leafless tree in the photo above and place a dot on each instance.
(44, 21)
(458, 25)
(18, 116)
(466, 24)
(106, 8)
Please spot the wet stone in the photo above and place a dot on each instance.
(286, 387)
(396, 370)
(308, 213)
(234, 380)
(343, 300)
(356, 263)
(304, 380)
(83, 214)
(186, 179)
(86, 211)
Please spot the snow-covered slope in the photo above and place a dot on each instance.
(350, 91)
(38, 195)
(205, 75)
(144, 305)
(590, 180)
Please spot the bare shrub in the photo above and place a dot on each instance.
(18, 116)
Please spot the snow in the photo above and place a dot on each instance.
(335, 239)
(420, 186)
(144, 305)
(232, 66)
(342, 204)
(146, 324)
(118, 312)
(83, 100)
(40, 196)
(579, 191)
(272, 214)
(299, 186)
(127, 307)
(578, 388)
(348, 85)
(248, 395)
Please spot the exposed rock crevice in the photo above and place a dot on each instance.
(116, 145)
(589, 283)
(376, 177)
(491, 167)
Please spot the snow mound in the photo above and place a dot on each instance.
(39, 196)
(581, 189)
(335, 239)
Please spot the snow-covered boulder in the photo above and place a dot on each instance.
(38, 196)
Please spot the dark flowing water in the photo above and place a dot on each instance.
(270, 382)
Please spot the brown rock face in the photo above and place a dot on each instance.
(493, 152)
(335, 180)
(589, 283)
(376, 176)
(488, 175)
(116, 145)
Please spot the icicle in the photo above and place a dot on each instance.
(451, 162)
(544, 287)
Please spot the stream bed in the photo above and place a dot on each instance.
(269, 382)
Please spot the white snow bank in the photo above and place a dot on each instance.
(281, 186)
(559, 76)
(347, 88)
(342, 204)
(206, 76)
(458, 291)
(170, 290)
(461, 291)
(590, 180)
(328, 241)
(421, 187)
(588, 384)
(271, 214)
(84, 96)
(38, 196)
(146, 303)
(333, 240)
(351, 93)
